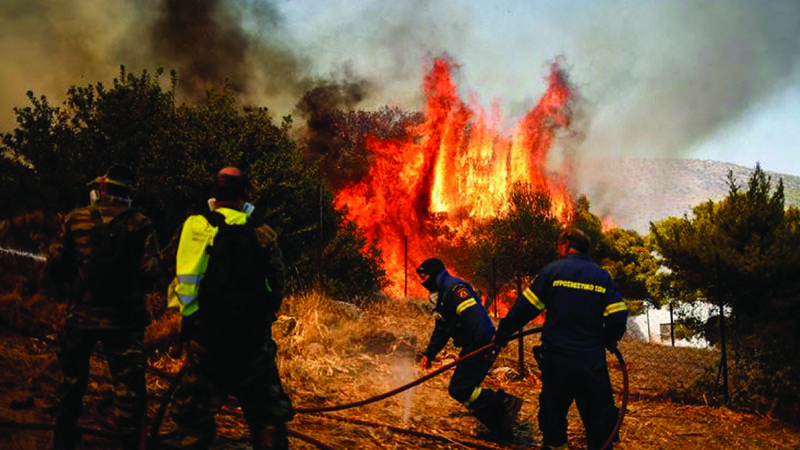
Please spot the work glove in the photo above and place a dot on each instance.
(610, 345)
(425, 363)
(491, 353)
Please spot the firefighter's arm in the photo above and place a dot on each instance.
(473, 316)
(276, 275)
(615, 318)
(150, 266)
(525, 308)
(59, 273)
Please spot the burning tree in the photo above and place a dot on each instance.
(453, 171)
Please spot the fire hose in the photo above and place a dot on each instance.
(167, 398)
(615, 351)
(161, 412)
(618, 425)
(624, 394)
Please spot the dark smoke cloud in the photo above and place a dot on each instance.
(196, 36)
(213, 41)
(658, 77)
(48, 46)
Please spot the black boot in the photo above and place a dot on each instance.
(271, 437)
(66, 435)
(511, 407)
(498, 412)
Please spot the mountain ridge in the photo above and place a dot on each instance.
(633, 192)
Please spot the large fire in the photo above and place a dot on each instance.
(457, 169)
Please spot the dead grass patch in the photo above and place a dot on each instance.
(331, 354)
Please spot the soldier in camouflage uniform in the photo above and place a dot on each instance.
(229, 284)
(104, 261)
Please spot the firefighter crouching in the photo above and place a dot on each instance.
(585, 315)
(460, 316)
(229, 284)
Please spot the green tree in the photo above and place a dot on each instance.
(626, 255)
(723, 252)
(740, 253)
(175, 149)
(636, 272)
(513, 247)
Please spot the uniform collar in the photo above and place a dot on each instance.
(578, 255)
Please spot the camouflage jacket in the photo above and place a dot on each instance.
(72, 259)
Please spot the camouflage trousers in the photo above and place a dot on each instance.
(125, 354)
(205, 388)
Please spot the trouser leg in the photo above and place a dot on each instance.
(466, 380)
(195, 403)
(595, 402)
(265, 404)
(74, 354)
(496, 410)
(555, 399)
(127, 362)
(270, 437)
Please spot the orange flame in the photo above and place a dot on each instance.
(456, 170)
(608, 224)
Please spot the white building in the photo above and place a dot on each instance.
(653, 325)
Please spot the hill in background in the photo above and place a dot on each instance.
(635, 192)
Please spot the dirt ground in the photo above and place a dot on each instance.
(423, 418)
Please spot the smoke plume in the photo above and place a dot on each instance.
(48, 46)
(658, 78)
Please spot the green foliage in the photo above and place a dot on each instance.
(175, 150)
(347, 273)
(628, 258)
(741, 252)
(515, 246)
(727, 251)
(626, 255)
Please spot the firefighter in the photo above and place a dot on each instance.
(585, 316)
(459, 315)
(104, 261)
(229, 284)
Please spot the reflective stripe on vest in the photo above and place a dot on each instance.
(615, 308)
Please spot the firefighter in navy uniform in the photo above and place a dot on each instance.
(104, 261)
(229, 283)
(585, 316)
(460, 316)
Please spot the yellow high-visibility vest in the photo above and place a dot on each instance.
(192, 259)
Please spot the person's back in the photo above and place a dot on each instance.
(229, 284)
(584, 315)
(575, 289)
(104, 261)
(114, 270)
(236, 303)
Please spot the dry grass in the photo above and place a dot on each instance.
(332, 353)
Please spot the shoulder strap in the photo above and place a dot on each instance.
(97, 217)
(214, 218)
(123, 216)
